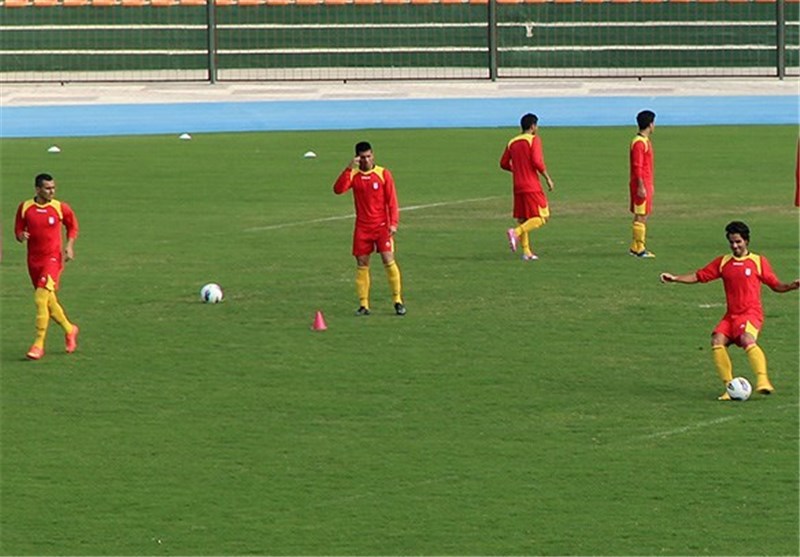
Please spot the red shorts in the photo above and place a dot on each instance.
(638, 205)
(45, 273)
(367, 239)
(734, 326)
(530, 204)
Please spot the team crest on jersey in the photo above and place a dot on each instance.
(748, 272)
(375, 185)
(51, 220)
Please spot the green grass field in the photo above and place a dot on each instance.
(562, 407)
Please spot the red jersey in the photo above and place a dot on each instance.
(523, 157)
(742, 278)
(641, 161)
(797, 176)
(374, 195)
(43, 223)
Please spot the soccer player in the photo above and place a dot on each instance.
(742, 274)
(523, 157)
(377, 217)
(641, 182)
(39, 221)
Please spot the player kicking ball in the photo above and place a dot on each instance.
(742, 274)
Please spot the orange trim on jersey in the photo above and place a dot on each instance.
(751, 256)
(640, 138)
(526, 136)
(55, 204)
(379, 170)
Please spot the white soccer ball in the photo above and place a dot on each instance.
(211, 293)
(739, 388)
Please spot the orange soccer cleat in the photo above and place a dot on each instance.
(71, 340)
(35, 353)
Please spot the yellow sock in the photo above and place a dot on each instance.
(639, 234)
(530, 224)
(395, 282)
(525, 243)
(57, 313)
(40, 298)
(758, 361)
(722, 361)
(362, 285)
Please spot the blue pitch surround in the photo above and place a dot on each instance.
(148, 119)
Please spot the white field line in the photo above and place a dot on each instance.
(351, 215)
(686, 429)
(698, 425)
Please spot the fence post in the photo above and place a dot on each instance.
(491, 19)
(211, 37)
(780, 34)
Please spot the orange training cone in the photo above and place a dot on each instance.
(319, 322)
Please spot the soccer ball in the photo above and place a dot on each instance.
(211, 293)
(739, 388)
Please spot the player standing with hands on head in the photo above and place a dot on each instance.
(742, 274)
(38, 222)
(523, 157)
(377, 217)
(642, 184)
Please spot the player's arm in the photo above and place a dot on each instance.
(688, 278)
(69, 249)
(20, 233)
(637, 166)
(505, 161)
(538, 162)
(786, 286)
(549, 180)
(345, 180)
(71, 225)
(392, 207)
(769, 278)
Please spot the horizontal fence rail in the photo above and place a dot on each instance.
(130, 40)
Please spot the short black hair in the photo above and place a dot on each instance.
(738, 227)
(363, 146)
(645, 118)
(41, 179)
(528, 120)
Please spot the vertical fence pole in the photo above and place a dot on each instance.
(491, 19)
(211, 37)
(780, 37)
